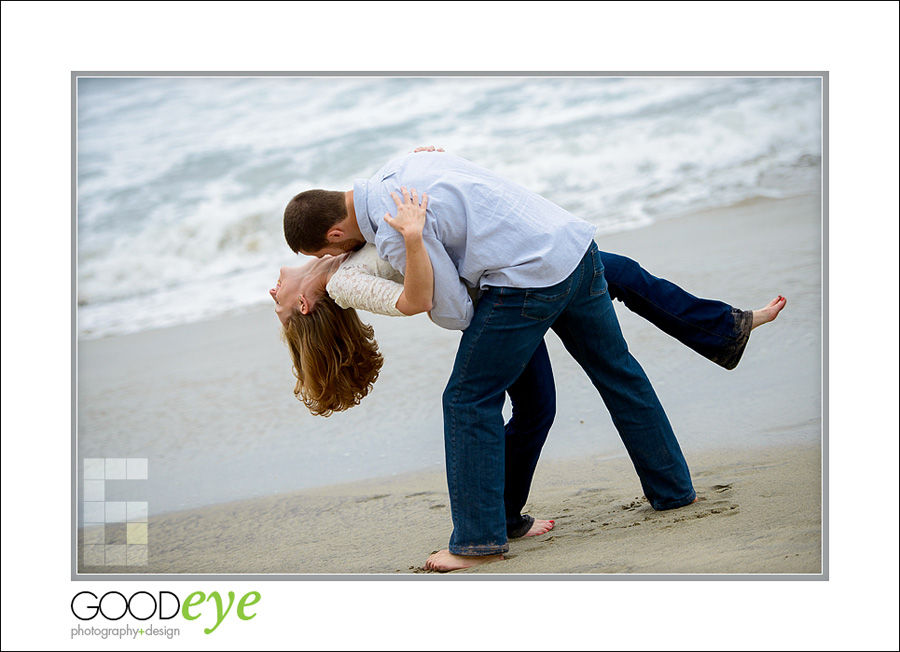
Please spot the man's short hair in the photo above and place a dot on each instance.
(309, 216)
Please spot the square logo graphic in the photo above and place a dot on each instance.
(115, 531)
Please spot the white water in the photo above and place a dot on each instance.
(182, 181)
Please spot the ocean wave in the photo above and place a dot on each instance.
(182, 181)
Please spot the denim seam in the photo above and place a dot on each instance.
(599, 271)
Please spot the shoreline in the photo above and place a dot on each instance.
(602, 236)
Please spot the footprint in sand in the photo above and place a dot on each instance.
(371, 498)
(712, 502)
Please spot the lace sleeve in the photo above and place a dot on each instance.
(353, 287)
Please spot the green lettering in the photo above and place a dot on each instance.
(243, 603)
(220, 616)
(190, 602)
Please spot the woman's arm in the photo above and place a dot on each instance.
(361, 288)
(418, 284)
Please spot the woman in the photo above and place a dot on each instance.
(336, 358)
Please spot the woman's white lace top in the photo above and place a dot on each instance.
(366, 282)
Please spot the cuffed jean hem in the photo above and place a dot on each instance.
(520, 527)
(743, 322)
(675, 504)
(481, 550)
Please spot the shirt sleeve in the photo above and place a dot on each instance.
(452, 307)
(354, 287)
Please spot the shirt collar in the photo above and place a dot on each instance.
(360, 204)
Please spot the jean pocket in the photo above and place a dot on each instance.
(543, 303)
(598, 282)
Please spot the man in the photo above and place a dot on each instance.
(536, 267)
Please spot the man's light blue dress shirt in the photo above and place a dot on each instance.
(481, 230)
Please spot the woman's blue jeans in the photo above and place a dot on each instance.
(506, 331)
(714, 329)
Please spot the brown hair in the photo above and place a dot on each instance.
(335, 356)
(309, 215)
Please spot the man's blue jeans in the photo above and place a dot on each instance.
(712, 328)
(508, 327)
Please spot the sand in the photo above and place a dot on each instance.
(235, 493)
(759, 513)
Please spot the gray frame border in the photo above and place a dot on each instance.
(76, 576)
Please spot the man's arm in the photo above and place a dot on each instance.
(418, 284)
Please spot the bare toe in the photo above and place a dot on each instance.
(539, 527)
(769, 312)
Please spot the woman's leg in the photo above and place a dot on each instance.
(533, 399)
(712, 328)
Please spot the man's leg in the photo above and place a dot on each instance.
(712, 328)
(590, 331)
(533, 399)
(494, 351)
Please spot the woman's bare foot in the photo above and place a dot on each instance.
(539, 527)
(444, 562)
(769, 312)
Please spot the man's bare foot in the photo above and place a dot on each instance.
(539, 527)
(769, 312)
(444, 562)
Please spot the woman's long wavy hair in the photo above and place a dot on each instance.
(335, 356)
